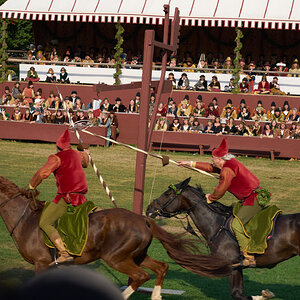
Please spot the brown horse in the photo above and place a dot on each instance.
(210, 219)
(118, 236)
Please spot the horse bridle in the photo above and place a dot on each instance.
(161, 211)
(24, 211)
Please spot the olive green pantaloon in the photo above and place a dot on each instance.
(245, 213)
(51, 214)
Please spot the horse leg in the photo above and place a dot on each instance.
(136, 273)
(160, 270)
(237, 285)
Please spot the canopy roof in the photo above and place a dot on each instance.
(274, 14)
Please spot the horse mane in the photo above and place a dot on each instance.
(216, 206)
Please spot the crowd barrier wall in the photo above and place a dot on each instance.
(105, 75)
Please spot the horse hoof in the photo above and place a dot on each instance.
(267, 294)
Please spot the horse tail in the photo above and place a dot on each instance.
(179, 250)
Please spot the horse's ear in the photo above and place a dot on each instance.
(183, 184)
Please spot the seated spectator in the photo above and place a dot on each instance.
(6, 97)
(78, 104)
(67, 104)
(286, 111)
(275, 88)
(292, 130)
(37, 116)
(27, 117)
(242, 66)
(50, 76)
(216, 65)
(161, 110)
(185, 126)
(39, 98)
(63, 76)
(223, 129)
(295, 70)
(267, 131)
(172, 79)
(172, 111)
(259, 107)
(202, 64)
(56, 103)
(161, 124)
(119, 106)
(175, 125)
(88, 59)
(216, 105)
(196, 126)
(263, 86)
(151, 104)
(40, 57)
(17, 115)
(74, 96)
(259, 114)
(92, 119)
(201, 84)
(211, 112)
(240, 129)
(15, 92)
(47, 116)
(217, 123)
(199, 110)
(227, 66)
(183, 82)
(267, 68)
(58, 118)
(214, 86)
(295, 134)
(4, 116)
(49, 100)
(132, 107)
(189, 65)
(244, 114)
(240, 108)
(229, 87)
(248, 130)
(282, 132)
(28, 94)
(231, 126)
(278, 116)
(281, 67)
(209, 128)
(294, 117)
(81, 116)
(271, 111)
(94, 105)
(256, 129)
(229, 112)
(137, 99)
(244, 86)
(32, 75)
(274, 125)
(184, 108)
(170, 102)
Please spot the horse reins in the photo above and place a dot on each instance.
(24, 211)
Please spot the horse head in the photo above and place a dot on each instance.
(170, 203)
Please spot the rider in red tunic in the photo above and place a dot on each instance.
(238, 180)
(67, 167)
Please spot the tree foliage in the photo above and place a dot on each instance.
(236, 62)
(119, 51)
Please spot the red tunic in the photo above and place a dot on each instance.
(234, 178)
(70, 177)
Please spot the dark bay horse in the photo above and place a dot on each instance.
(210, 219)
(118, 236)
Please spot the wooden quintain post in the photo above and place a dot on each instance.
(144, 130)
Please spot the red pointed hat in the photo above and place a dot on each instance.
(63, 141)
(222, 150)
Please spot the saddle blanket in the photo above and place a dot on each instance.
(73, 228)
(259, 227)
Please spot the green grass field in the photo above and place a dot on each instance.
(19, 161)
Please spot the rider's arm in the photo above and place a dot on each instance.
(207, 167)
(50, 166)
(226, 177)
(84, 158)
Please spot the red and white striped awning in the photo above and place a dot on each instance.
(272, 14)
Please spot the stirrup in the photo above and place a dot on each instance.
(57, 262)
(245, 263)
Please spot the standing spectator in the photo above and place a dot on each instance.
(40, 57)
(183, 83)
(50, 76)
(15, 92)
(251, 76)
(28, 94)
(32, 75)
(201, 84)
(110, 120)
(295, 70)
(151, 104)
(228, 66)
(281, 67)
(63, 76)
(189, 65)
(214, 86)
